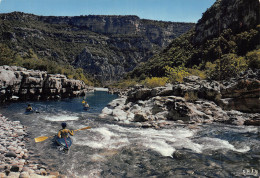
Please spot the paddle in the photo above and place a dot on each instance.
(42, 138)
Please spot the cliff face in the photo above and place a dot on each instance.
(20, 83)
(160, 33)
(229, 27)
(105, 46)
(238, 15)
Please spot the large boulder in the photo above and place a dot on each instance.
(194, 88)
(139, 94)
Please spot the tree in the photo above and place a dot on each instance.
(228, 66)
(176, 74)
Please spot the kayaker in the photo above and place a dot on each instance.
(83, 102)
(64, 133)
(29, 108)
(86, 105)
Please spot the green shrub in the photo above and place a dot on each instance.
(176, 74)
(155, 82)
(31, 61)
(253, 59)
(228, 66)
(197, 72)
(123, 84)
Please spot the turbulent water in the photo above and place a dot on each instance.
(110, 149)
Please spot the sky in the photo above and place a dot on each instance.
(165, 10)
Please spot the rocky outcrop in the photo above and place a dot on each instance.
(238, 15)
(104, 46)
(20, 83)
(242, 93)
(194, 101)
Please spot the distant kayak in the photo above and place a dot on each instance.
(65, 143)
(86, 106)
(29, 111)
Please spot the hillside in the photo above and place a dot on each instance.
(104, 46)
(224, 42)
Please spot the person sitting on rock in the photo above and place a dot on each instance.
(64, 133)
(29, 108)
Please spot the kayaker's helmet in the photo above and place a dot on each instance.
(63, 125)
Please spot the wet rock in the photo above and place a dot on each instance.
(254, 122)
(107, 111)
(235, 120)
(162, 115)
(11, 154)
(43, 172)
(135, 109)
(146, 125)
(179, 155)
(15, 168)
(140, 117)
(117, 102)
(120, 114)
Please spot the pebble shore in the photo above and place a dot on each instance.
(14, 157)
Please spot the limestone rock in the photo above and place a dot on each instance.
(18, 83)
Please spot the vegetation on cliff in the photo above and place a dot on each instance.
(31, 61)
(217, 58)
(115, 44)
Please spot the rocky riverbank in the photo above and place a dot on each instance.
(15, 157)
(17, 83)
(195, 101)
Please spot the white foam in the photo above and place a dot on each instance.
(188, 144)
(164, 141)
(114, 136)
(97, 157)
(104, 139)
(101, 89)
(57, 118)
(242, 129)
(216, 144)
(160, 146)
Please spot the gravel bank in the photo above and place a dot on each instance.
(15, 157)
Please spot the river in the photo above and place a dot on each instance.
(112, 149)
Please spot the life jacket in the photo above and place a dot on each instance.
(64, 133)
(29, 108)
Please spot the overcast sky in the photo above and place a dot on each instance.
(165, 10)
